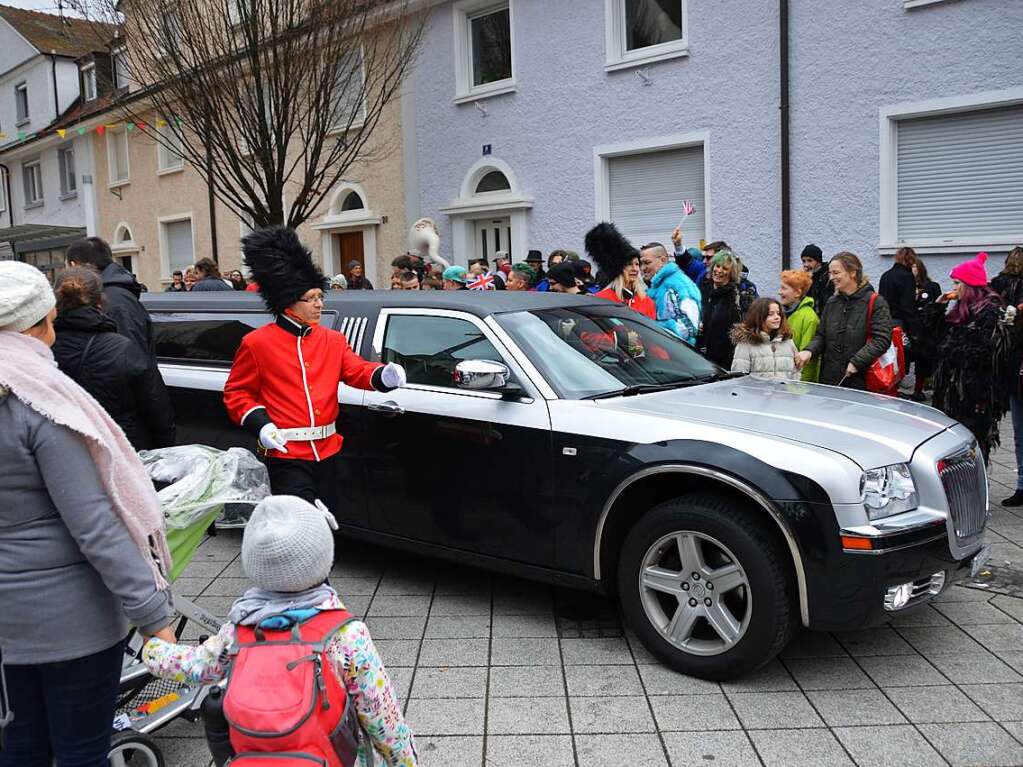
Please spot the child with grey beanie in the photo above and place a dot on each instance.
(287, 554)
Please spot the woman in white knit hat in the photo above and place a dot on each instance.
(82, 550)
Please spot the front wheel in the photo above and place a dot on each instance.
(707, 587)
(133, 749)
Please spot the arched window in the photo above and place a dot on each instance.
(352, 201)
(494, 181)
(125, 235)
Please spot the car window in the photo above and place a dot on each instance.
(430, 347)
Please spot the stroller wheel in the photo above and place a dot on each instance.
(133, 749)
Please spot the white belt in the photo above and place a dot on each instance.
(310, 433)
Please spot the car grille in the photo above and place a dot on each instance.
(965, 482)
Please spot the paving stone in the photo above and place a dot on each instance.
(733, 749)
(828, 674)
(661, 680)
(693, 712)
(405, 585)
(184, 751)
(877, 641)
(450, 751)
(396, 628)
(525, 626)
(611, 715)
(603, 652)
(1015, 729)
(218, 606)
(454, 652)
(610, 750)
(399, 606)
(940, 640)
(523, 604)
(799, 748)
(1002, 702)
(962, 594)
(190, 587)
(401, 680)
(936, 704)
(813, 644)
(901, 671)
(526, 681)
(460, 604)
(445, 717)
(888, 746)
(1007, 638)
(208, 570)
(919, 617)
(466, 581)
(1010, 605)
(973, 613)
(450, 682)
(525, 652)
(458, 627)
(773, 677)
(1013, 659)
(353, 587)
(517, 750)
(841, 708)
(773, 710)
(523, 716)
(976, 667)
(610, 681)
(399, 652)
(982, 744)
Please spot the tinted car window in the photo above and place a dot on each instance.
(208, 337)
(430, 347)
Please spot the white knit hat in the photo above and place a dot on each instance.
(25, 296)
(288, 545)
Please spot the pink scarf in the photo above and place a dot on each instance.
(28, 369)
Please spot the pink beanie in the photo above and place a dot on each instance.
(972, 272)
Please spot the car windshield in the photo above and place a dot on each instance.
(594, 351)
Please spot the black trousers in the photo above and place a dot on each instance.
(308, 480)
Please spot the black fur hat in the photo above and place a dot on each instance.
(281, 265)
(609, 249)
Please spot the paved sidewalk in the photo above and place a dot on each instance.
(495, 671)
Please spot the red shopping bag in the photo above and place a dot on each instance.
(886, 371)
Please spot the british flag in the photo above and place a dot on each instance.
(688, 208)
(483, 282)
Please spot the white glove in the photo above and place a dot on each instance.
(270, 438)
(393, 376)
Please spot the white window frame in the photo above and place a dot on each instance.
(463, 12)
(112, 135)
(118, 53)
(3, 191)
(617, 54)
(68, 183)
(89, 78)
(161, 226)
(163, 154)
(602, 155)
(172, 18)
(362, 107)
(34, 167)
(21, 119)
(889, 117)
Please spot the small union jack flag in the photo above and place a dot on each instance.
(483, 282)
(688, 208)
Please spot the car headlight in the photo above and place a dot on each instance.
(888, 490)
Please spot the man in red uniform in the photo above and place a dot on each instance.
(283, 383)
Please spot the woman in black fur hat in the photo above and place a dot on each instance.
(619, 267)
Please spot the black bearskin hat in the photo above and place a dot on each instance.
(611, 251)
(281, 265)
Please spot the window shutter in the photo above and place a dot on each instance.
(960, 176)
(179, 245)
(646, 193)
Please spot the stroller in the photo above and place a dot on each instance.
(197, 483)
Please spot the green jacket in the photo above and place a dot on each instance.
(803, 323)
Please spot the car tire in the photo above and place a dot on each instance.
(667, 571)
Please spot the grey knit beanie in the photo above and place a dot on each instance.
(287, 545)
(25, 296)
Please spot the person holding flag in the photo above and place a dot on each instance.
(689, 260)
(283, 383)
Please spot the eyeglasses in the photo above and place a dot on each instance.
(312, 299)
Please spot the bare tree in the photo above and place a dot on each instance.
(264, 97)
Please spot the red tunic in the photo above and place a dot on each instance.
(295, 379)
(643, 305)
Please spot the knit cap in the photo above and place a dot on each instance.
(972, 272)
(25, 296)
(812, 251)
(287, 545)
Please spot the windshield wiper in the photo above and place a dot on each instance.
(723, 376)
(634, 389)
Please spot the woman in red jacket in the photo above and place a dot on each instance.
(619, 267)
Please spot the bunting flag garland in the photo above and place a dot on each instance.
(161, 123)
(21, 135)
(81, 131)
(129, 127)
(62, 132)
(101, 129)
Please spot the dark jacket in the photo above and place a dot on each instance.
(1010, 288)
(121, 293)
(842, 337)
(898, 288)
(361, 283)
(172, 288)
(211, 283)
(924, 346)
(821, 290)
(124, 380)
(722, 307)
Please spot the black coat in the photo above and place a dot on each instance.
(722, 308)
(362, 283)
(898, 288)
(821, 290)
(924, 346)
(1010, 288)
(211, 283)
(842, 337)
(121, 293)
(123, 379)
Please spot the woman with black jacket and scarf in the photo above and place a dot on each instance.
(842, 341)
(111, 368)
(724, 303)
(1009, 285)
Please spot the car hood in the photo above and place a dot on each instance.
(870, 429)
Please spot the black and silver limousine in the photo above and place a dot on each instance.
(722, 510)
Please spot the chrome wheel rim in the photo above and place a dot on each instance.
(133, 754)
(695, 593)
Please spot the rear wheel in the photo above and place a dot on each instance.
(706, 587)
(133, 749)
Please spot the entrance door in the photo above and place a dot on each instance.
(492, 235)
(348, 247)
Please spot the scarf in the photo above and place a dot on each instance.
(256, 605)
(28, 369)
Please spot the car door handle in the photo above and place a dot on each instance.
(387, 408)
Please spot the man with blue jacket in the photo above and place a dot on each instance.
(675, 295)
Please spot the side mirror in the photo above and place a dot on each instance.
(482, 375)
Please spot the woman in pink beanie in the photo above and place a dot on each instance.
(969, 382)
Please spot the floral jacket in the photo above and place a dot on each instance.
(355, 661)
